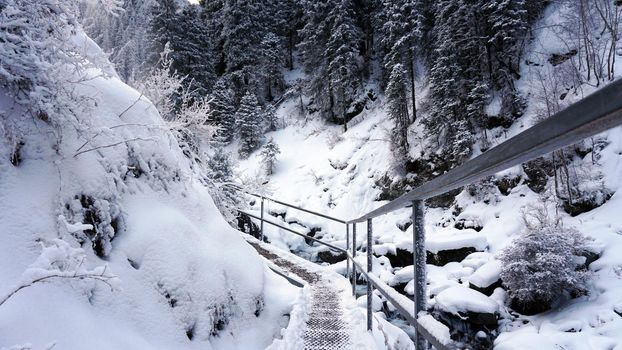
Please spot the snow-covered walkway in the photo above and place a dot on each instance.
(326, 326)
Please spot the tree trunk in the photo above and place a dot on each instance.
(412, 88)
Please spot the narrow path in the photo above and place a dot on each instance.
(326, 327)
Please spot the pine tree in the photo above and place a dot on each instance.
(329, 50)
(270, 117)
(398, 40)
(455, 82)
(220, 166)
(126, 35)
(271, 62)
(223, 111)
(314, 37)
(248, 118)
(397, 108)
(268, 155)
(190, 43)
(342, 52)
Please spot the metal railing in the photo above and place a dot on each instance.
(592, 115)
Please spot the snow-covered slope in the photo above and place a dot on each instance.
(185, 278)
(323, 169)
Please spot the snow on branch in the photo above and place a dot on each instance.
(59, 260)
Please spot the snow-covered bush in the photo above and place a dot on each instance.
(103, 217)
(542, 265)
(220, 173)
(36, 51)
(59, 260)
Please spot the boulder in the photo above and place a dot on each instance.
(468, 304)
(331, 257)
(486, 278)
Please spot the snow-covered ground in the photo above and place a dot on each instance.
(174, 276)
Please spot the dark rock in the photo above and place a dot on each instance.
(390, 189)
(404, 226)
(487, 290)
(507, 183)
(538, 172)
(331, 257)
(402, 258)
(312, 233)
(590, 257)
(444, 257)
(494, 121)
(585, 204)
(276, 214)
(465, 326)
(16, 155)
(246, 225)
(464, 224)
(559, 58)
(531, 307)
(445, 200)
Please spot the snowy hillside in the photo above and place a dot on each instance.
(108, 237)
(342, 174)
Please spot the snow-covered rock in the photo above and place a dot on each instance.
(460, 299)
(486, 278)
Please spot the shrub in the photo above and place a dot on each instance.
(542, 264)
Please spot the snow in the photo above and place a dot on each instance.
(437, 329)
(461, 299)
(175, 266)
(455, 240)
(487, 274)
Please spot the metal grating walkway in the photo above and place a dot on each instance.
(326, 327)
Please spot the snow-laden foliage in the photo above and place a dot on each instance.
(59, 260)
(249, 123)
(36, 49)
(397, 109)
(223, 111)
(543, 263)
(269, 152)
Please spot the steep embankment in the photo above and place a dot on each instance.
(110, 187)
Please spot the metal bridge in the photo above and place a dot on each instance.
(592, 115)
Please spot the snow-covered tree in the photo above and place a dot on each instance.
(268, 155)
(398, 43)
(270, 117)
(342, 52)
(271, 61)
(220, 166)
(248, 119)
(223, 111)
(183, 30)
(542, 264)
(397, 108)
(126, 35)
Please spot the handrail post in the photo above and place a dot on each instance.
(261, 221)
(419, 266)
(353, 257)
(369, 268)
(347, 248)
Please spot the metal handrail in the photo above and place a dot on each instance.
(333, 247)
(592, 115)
(238, 188)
